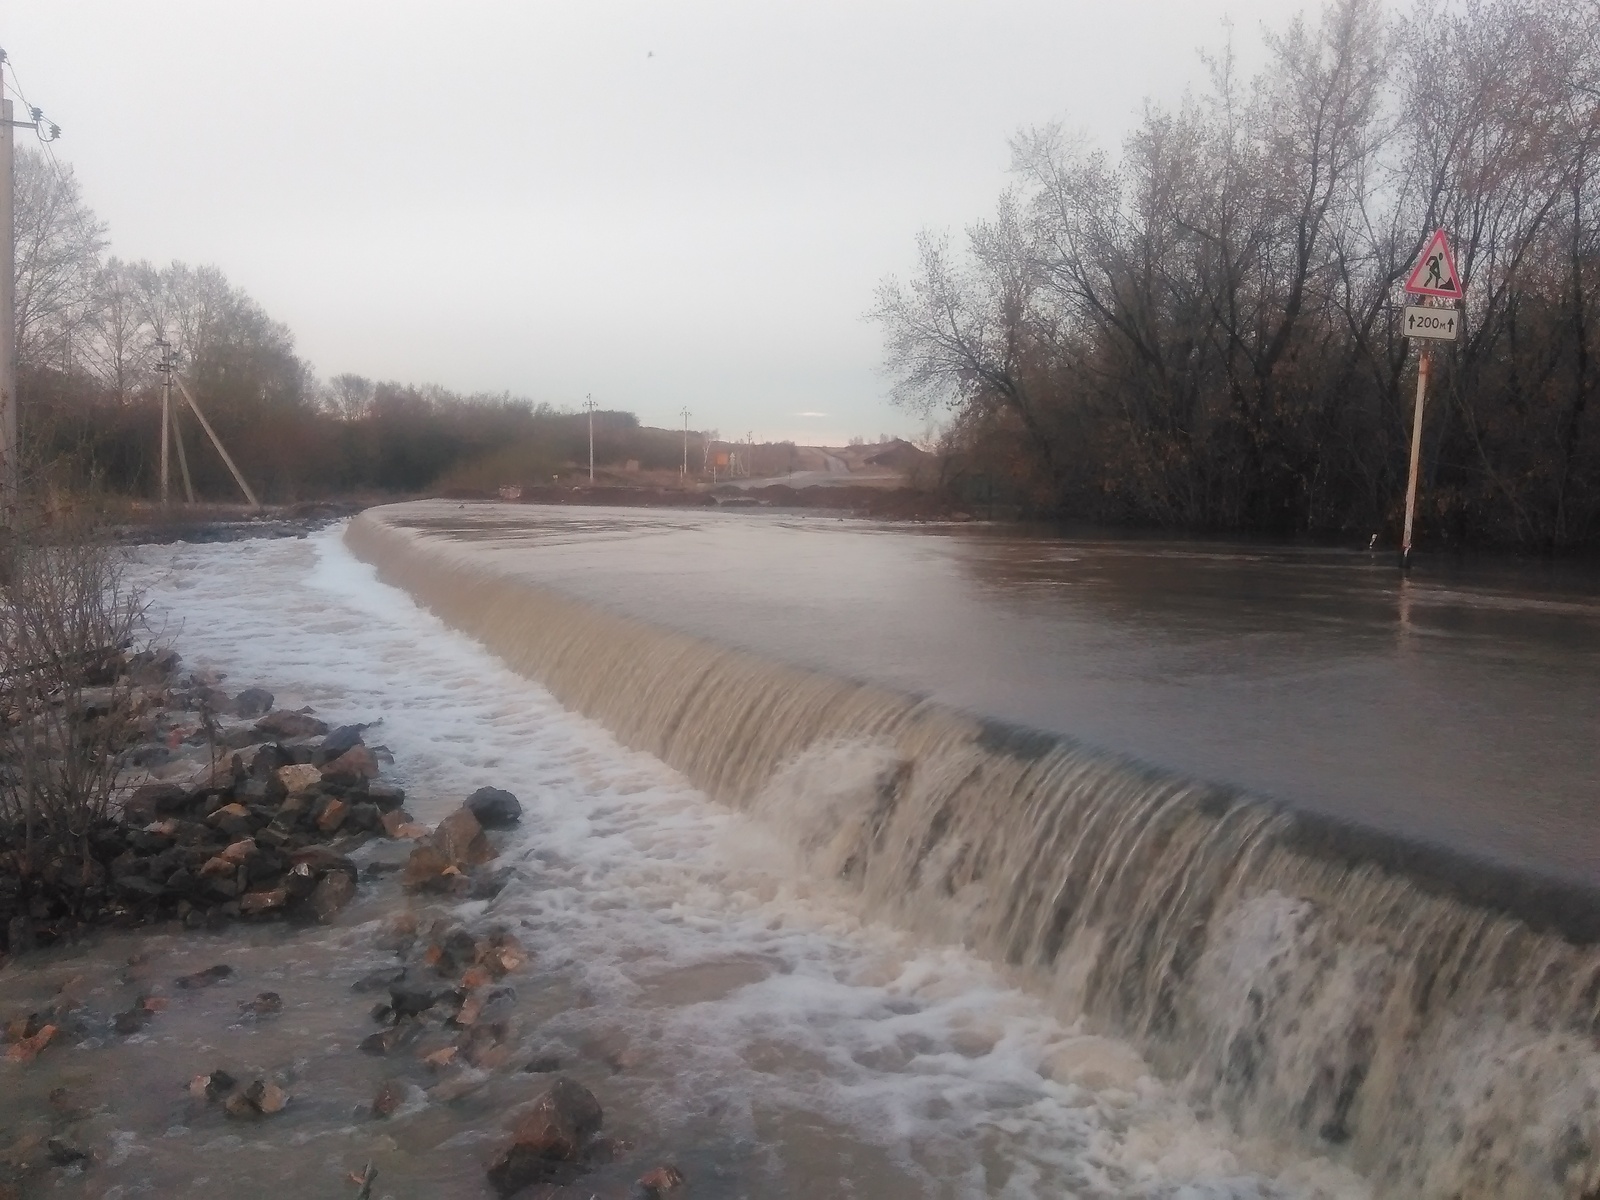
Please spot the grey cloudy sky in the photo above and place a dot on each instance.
(664, 204)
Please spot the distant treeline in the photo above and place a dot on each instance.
(89, 391)
(1202, 333)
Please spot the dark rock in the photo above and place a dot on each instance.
(353, 766)
(543, 1064)
(20, 936)
(232, 820)
(268, 759)
(147, 842)
(321, 860)
(215, 1085)
(387, 796)
(137, 887)
(252, 702)
(391, 1095)
(153, 800)
(494, 808)
(254, 791)
(300, 881)
(346, 737)
(131, 1021)
(400, 1036)
(333, 891)
(379, 981)
(285, 724)
(64, 1154)
(264, 864)
(652, 1185)
(267, 1004)
(364, 817)
(147, 754)
(265, 900)
(489, 884)
(205, 978)
(408, 1000)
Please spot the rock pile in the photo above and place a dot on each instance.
(231, 810)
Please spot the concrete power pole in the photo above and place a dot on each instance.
(685, 415)
(588, 402)
(10, 444)
(164, 366)
(10, 474)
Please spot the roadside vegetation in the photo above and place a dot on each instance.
(1201, 331)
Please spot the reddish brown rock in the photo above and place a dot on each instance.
(657, 1183)
(354, 765)
(560, 1121)
(332, 815)
(285, 724)
(27, 1049)
(391, 1095)
(202, 979)
(549, 1140)
(399, 824)
(461, 840)
(265, 900)
(425, 868)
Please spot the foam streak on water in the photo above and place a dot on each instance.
(802, 1049)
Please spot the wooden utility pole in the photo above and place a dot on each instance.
(238, 477)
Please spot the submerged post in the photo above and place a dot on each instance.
(1416, 456)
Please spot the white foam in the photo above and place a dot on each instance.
(752, 997)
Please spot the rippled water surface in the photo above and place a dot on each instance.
(1460, 705)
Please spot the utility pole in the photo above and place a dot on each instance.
(588, 402)
(211, 433)
(685, 415)
(10, 476)
(164, 366)
(10, 446)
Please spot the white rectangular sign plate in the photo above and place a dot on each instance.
(1441, 323)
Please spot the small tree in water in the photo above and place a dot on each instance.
(68, 616)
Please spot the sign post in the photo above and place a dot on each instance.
(1434, 275)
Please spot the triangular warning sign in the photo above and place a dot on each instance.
(1435, 272)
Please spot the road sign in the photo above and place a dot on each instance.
(1441, 323)
(1435, 272)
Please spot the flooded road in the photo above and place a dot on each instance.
(734, 1013)
(1460, 706)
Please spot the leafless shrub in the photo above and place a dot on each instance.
(67, 618)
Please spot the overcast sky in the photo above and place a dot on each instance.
(662, 204)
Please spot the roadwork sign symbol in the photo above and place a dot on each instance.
(1435, 272)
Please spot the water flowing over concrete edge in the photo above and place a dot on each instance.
(1429, 1020)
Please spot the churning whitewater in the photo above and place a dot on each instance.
(761, 1025)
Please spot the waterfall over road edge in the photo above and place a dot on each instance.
(1431, 1021)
